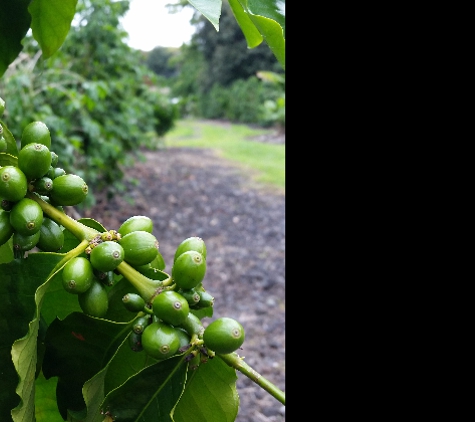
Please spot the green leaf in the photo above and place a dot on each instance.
(6, 252)
(22, 286)
(269, 18)
(90, 222)
(211, 10)
(12, 147)
(45, 393)
(210, 395)
(272, 9)
(77, 348)
(251, 33)
(14, 24)
(150, 395)
(51, 21)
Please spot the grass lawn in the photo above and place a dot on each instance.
(231, 141)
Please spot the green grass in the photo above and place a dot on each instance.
(266, 162)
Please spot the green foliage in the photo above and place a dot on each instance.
(160, 61)
(98, 103)
(58, 363)
(244, 101)
(217, 76)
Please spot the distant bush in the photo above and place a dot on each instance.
(244, 101)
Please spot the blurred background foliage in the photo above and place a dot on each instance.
(104, 101)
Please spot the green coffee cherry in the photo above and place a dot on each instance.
(140, 323)
(51, 236)
(105, 277)
(6, 229)
(192, 325)
(135, 342)
(133, 302)
(34, 160)
(193, 243)
(94, 301)
(224, 335)
(54, 159)
(36, 132)
(171, 307)
(78, 276)
(68, 189)
(136, 223)
(106, 256)
(13, 183)
(58, 171)
(158, 262)
(140, 247)
(26, 217)
(54, 172)
(23, 243)
(191, 295)
(189, 270)
(205, 299)
(43, 185)
(160, 340)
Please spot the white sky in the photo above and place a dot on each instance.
(149, 25)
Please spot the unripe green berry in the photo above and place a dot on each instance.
(224, 335)
(34, 160)
(43, 185)
(193, 243)
(36, 132)
(171, 307)
(133, 302)
(106, 256)
(140, 247)
(13, 183)
(94, 301)
(160, 340)
(26, 217)
(51, 236)
(135, 223)
(23, 243)
(68, 189)
(189, 270)
(77, 276)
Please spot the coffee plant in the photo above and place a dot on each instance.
(93, 328)
(94, 308)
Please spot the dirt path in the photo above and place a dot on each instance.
(189, 192)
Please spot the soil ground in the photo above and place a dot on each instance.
(193, 192)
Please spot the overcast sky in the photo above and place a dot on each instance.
(149, 25)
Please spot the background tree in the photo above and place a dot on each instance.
(226, 53)
(160, 61)
(100, 103)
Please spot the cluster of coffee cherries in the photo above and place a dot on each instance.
(165, 324)
(88, 275)
(169, 325)
(35, 171)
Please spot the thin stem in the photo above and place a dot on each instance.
(78, 250)
(236, 362)
(146, 287)
(78, 229)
